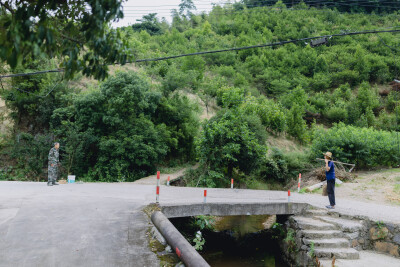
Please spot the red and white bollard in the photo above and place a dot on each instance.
(205, 196)
(288, 194)
(168, 181)
(298, 184)
(178, 252)
(158, 187)
(231, 183)
(157, 193)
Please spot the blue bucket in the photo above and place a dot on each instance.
(71, 179)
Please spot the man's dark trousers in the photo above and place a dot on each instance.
(331, 191)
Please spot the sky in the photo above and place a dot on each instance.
(135, 9)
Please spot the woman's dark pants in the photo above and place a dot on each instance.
(331, 191)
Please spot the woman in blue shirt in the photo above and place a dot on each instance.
(330, 179)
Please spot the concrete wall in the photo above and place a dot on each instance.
(230, 209)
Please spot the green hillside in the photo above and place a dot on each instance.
(131, 124)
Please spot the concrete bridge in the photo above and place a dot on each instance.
(232, 209)
(99, 224)
(184, 249)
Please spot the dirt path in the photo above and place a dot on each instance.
(379, 187)
(152, 179)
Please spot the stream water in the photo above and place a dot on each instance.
(237, 241)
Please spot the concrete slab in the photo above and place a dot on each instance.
(343, 224)
(313, 234)
(231, 209)
(317, 212)
(7, 214)
(328, 242)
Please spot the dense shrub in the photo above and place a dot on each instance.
(271, 113)
(366, 98)
(231, 140)
(386, 121)
(296, 126)
(282, 167)
(336, 114)
(366, 147)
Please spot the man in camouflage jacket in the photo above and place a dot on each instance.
(53, 165)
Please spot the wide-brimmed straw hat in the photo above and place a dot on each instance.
(328, 154)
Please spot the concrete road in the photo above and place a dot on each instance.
(72, 225)
(98, 224)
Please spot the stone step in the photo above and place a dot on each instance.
(339, 253)
(328, 242)
(343, 224)
(306, 223)
(315, 234)
(317, 212)
(340, 262)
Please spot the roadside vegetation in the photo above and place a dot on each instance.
(333, 97)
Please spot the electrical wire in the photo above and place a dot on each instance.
(394, 54)
(137, 9)
(383, 42)
(254, 3)
(214, 12)
(222, 50)
(32, 73)
(40, 96)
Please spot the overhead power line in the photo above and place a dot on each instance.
(33, 93)
(213, 12)
(31, 73)
(262, 45)
(261, 3)
(222, 50)
(351, 3)
(385, 44)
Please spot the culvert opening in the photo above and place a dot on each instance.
(234, 240)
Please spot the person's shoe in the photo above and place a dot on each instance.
(330, 207)
(55, 183)
(49, 184)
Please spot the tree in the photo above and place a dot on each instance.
(148, 23)
(75, 31)
(186, 6)
(367, 98)
(296, 126)
(232, 140)
(32, 99)
(123, 130)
